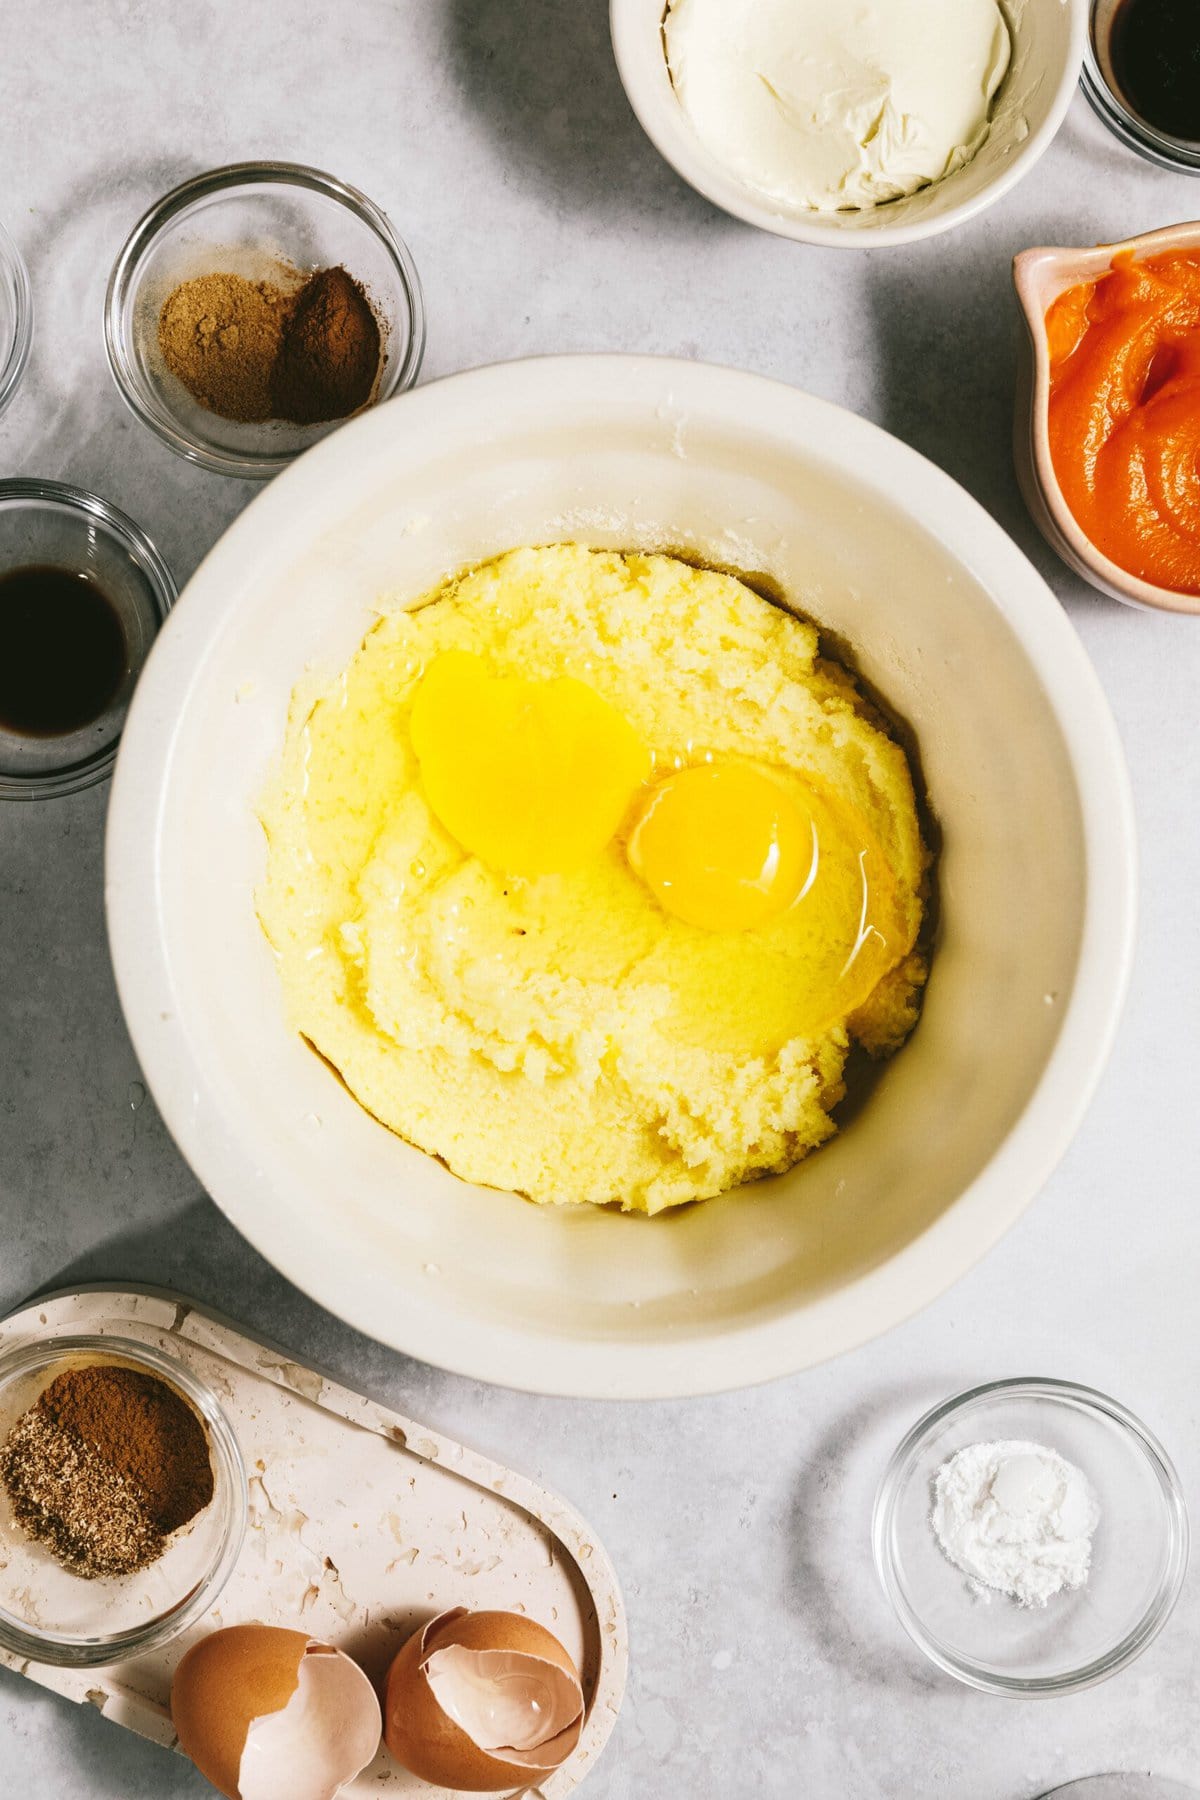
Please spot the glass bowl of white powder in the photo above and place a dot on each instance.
(1031, 1536)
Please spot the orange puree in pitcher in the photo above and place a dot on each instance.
(1125, 414)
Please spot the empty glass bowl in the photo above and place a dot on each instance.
(16, 318)
(48, 524)
(1139, 1552)
(49, 1614)
(250, 219)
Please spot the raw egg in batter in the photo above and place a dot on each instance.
(532, 776)
(723, 846)
(733, 847)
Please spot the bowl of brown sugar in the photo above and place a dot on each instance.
(255, 308)
(122, 1500)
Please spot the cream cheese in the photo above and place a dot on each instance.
(827, 105)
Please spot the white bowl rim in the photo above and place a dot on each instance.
(626, 20)
(887, 1294)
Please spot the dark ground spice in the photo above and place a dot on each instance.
(329, 356)
(104, 1466)
(141, 1428)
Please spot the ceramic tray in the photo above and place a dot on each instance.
(362, 1524)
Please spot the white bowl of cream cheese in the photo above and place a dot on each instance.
(855, 126)
(1020, 759)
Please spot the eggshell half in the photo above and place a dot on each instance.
(421, 1735)
(271, 1714)
(225, 1682)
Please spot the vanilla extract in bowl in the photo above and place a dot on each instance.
(1154, 52)
(63, 651)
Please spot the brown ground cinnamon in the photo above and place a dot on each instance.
(329, 356)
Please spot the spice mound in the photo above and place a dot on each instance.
(254, 350)
(105, 1465)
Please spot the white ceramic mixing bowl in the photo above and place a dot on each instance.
(1023, 768)
(1048, 38)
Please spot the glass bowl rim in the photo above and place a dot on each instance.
(38, 491)
(12, 267)
(1133, 132)
(1137, 1435)
(64, 1651)
(247, 464)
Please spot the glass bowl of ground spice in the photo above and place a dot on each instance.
(255, 308)
(122, 1500)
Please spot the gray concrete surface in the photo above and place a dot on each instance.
(497, 137)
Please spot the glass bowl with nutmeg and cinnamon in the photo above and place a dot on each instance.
(122, 1500)
(255, 308)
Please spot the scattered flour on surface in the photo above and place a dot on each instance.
(1015, 1517)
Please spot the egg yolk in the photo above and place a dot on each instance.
(722, 846)
(734, 845)
(533, 777)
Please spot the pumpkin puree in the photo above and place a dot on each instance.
(1125, 413)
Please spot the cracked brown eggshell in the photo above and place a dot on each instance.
(265, 1712)
(422, 1736)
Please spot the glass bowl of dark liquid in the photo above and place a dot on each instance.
(1141, 72)
(82, 594)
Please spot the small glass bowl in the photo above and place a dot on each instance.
(52, 1616)
(1100, 84)
(1139, 1557)
(1123, 1786)
(16, 318)
(249, 219)
(49, 524)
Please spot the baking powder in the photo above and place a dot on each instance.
(1016, 1517)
